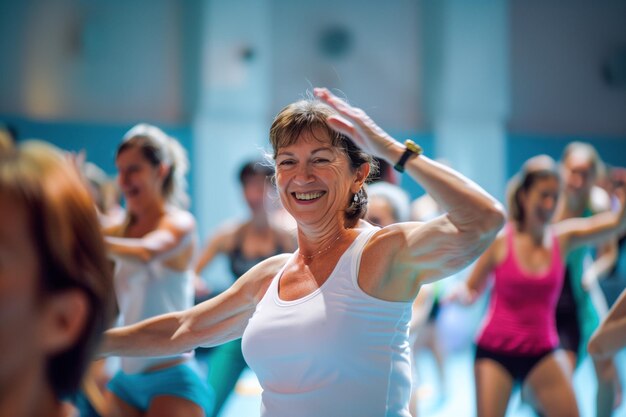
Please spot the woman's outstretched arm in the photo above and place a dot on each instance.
(210, 323)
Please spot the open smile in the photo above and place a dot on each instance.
(308, 197)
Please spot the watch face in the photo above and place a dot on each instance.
(413, 147)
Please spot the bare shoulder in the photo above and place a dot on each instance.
(388, 235)
(389, 240)
(179, 220)
(599, 200)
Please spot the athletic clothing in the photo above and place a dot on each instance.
(238, 262)
(146, 290)
(518, 366)
(181, 381)
(567, 323)
(582, 314)
(226, 363)
(521, 319)
(335, 352)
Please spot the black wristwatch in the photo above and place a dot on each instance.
(412, 149)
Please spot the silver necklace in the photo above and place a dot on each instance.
(319, 252)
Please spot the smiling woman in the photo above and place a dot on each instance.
(303, 142)
(518, 340)
(312, 177)
(153, 252)
(329, 323)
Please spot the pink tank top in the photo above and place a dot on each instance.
(521, 315)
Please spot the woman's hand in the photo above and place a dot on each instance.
(358, 126)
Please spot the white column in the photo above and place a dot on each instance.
(232, 121)
(467, 86)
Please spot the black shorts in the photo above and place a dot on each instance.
(518, 366)
(569, 331)
(567, 323)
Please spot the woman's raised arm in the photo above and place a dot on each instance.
(442, 246)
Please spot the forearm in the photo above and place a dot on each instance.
(595, 230)
(128, 248)
(205, 259)
(469, 207)
(156, 243)
(152, 337)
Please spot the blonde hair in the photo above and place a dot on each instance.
(597, 166)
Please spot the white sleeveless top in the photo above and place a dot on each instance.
(335, 352)
(145, 290)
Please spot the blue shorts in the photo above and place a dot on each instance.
(181, 381)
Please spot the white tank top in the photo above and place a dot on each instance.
(335, 352)
(145, 290)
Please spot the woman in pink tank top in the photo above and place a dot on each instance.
(518, 342)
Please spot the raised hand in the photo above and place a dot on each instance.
(357, 125)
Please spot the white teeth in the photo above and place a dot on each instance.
(308, 196)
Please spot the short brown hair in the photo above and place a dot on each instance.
(64, 228)
(310, 116)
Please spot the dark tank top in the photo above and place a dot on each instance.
(239, 264)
